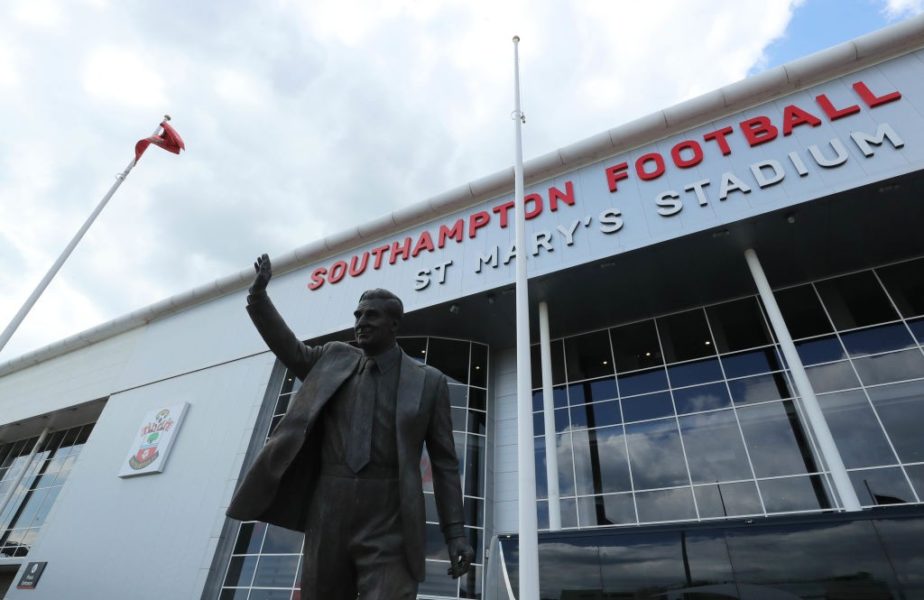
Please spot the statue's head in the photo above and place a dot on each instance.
(378, 315)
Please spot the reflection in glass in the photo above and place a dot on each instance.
(655, 454)
(692, 373)
(727, 499)
(874, 340)
(558, 363)
(641, 565)
(886, 368)
(856, 432)
(775, 439)
(714, 448)
(450, 357)
(762, 388)
(832, 377)
(642, 382)
(901, 408)
(751, 363)
(802, 311)
(592, 391)
(600, 463)
(788, 494)
(878, 487)
(701, 397)
(276, 571)
(649, 406)
(612, 509)
(665, 505)
(820, 350)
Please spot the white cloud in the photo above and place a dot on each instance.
(903, 8)
(118, 75)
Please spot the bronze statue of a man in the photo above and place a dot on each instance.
(343, 465)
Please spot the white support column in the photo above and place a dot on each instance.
(826, 445)
(548, 407)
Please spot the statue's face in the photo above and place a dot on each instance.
(375, 330)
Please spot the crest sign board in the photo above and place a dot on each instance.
(153, 441)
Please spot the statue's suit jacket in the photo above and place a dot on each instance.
(277, 489)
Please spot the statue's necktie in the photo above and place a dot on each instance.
(359, 448)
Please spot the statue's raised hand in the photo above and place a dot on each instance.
(264, 273)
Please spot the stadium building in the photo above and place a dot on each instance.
(734, 375)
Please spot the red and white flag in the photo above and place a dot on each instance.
(168, 139)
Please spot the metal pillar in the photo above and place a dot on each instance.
(548, 407)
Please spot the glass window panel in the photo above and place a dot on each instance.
(579, 416)
(458, 395)
(642, 382)
(592, 391)
(855, 300)
(886, 368)
(905, 283)
(793, 493)
(612, 509)
(450, 357)
(701, 397)
(600, 463)
(557, 348)
(474, 510)
(802, 311)
(542, 514)
(714, 448)
(436, 544)
(727, 499)
(237, 594)
(878, 339)
(474, 466)
(901, 408)
(459, 417)
(636, 346)
(42, 514)
(415, 347)
(762, 388)
(568, 569)
(640, 565)
(568, 512)
(685, 336)
(691, 373)
(655, 454)
(84, 434)
(477, 399)
(282, 541)
(437, 583)
(562, 422)
(249, 538)
(751, 363)
(30, 506)
(601, 414)
(262, 594)
(738, 325)
(240, 570)
(474, 536)
(833, 560)
(588, 356)
(916, 475)
(832, 377)
(775, 440)
(288, 383)
(477, 422)
(649, 406)
(559, 397)
(665, 505)
(878, 487)
(820, 350)
(470, 583)
(917, 328)
(565, 464)
(857, 434)
(542, 488)
(539, 423)
(901, 539)
(478, 371)
(282, 405)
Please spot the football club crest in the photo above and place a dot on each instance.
(154, 440)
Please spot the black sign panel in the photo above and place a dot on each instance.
(31, 575)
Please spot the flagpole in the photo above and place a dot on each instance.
(37, 292)
(526, 460)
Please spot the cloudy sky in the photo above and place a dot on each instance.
(303, 117)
